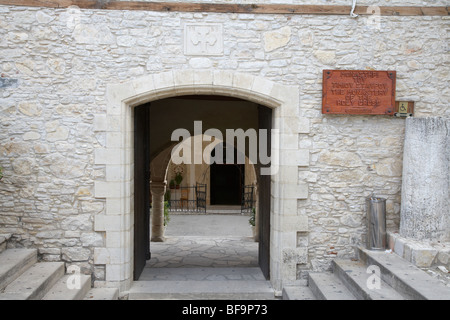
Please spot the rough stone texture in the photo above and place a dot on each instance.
(53, 123)
(425, 194)
(423, 254)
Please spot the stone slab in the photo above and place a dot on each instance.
(355, 276)
(214, 290)
(61, 291)
(34, 283)
(102, 294)
(326, 286)
(406, 277)
(293, 292)
(13, 262)
(202, 274)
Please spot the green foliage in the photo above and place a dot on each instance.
(1, 173)
(252, 219)
(166, 213)
(178, 178)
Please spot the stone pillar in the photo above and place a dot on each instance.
(425, 196)
(157, 188)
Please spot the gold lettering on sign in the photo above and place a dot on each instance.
(358, 92)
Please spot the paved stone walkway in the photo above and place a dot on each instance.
(191, 251)
(205, 247)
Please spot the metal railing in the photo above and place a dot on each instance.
(248, 199)
(190, 198)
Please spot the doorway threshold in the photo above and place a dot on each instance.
(202, 283)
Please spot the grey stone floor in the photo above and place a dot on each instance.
(205, 247)
(194, 251)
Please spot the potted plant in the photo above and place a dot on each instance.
(178, 179)
(172, 184)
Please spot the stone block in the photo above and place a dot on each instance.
(443, 257)
(261, 85)
(298, 223)
(288, 174)
(222, 78)
(276, 39)
(164, 80)
(115, 94)
(113, 239)
(243, 81)
(75, 254)
(298, 157)
(420, 255)
(143, 84)
(203, 78)
(399, 247)
(100, 122)
(304, 125)
(107, 256)
(289, 141)
(183, 78)
(295, 256)
(114, 140)
(289, 207)
(114, 272)
(292, 191)
(104, 189)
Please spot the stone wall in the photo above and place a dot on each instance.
(55, 65)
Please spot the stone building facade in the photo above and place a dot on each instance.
(70, 78)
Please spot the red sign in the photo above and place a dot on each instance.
(358, 92)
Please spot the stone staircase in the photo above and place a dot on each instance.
(373, 276)
(22, 277)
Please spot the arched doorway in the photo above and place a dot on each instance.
(155, 125)
(117, 156)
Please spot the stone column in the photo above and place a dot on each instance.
(425, 196)
(157, 188)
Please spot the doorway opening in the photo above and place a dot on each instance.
(227, 181)
(155, 123)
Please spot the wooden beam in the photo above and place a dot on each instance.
(230, 7)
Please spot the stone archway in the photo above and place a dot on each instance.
(117, 157)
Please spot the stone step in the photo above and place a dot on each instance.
(327, 286)
(297, 292)
(4, 237)
(406, 278)
(354, 275)
(13, 262)
(61, 290)
(35, 282)
(205, 273)
(102, 294)
(192, 290)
